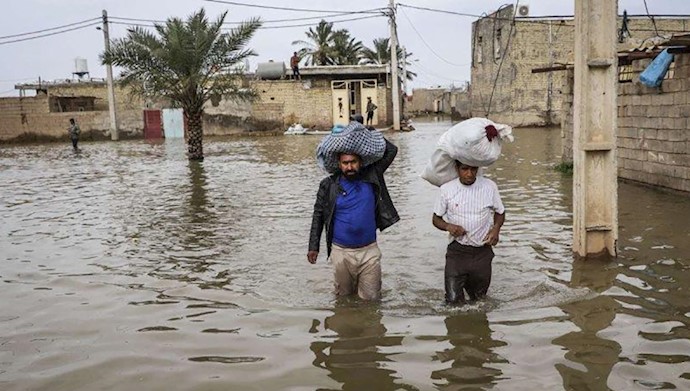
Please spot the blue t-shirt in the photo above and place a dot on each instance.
(355, 214)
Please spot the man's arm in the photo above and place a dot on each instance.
(495, 231)
(455, 230)
(317, 224)
(388, 156)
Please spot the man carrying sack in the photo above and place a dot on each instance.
(351, 203)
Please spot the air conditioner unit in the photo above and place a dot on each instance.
(523, 10)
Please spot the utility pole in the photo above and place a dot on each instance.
(394, 66)
(595, 179)
(404, 71)
(109, 81)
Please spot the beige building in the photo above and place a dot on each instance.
(653, 136)
(451, 101)
(504, 54)
(323, 97)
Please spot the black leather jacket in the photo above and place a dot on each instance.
(386, 215)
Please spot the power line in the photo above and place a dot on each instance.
(262, 21)
(504, 54)
(266, 27)
(49, 29)
(427, 45)
(50, 34)
(312, 24)
(650, 17)
(521, 19)
(281, 8)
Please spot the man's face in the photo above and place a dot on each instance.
(349, 165)
(467, 174)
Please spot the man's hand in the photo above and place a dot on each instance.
(492, 237)
(311, 256)
(455, 230)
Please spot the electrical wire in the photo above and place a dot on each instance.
(650, 17)
(312, 24)
(427, 45)
(500, 64)
(521, 20)
(238, 23)
(49, 29)
(282, 8)
(263, 27)
(50, 34)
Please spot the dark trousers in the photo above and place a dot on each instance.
(74, 142)
(467, 268)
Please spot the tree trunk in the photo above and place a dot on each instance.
(195, 138)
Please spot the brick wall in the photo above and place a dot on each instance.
(456, 100)
(653, 135)
(279, 104)
(520, 97)
(310, 103)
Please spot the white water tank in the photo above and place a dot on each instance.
(270, 70)
(80, 66)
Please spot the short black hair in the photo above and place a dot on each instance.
(357, 117)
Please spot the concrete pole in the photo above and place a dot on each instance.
(394, 67)
(595, 186)
(109, 81)
(404, 70)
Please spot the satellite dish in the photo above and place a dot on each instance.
(523, 10)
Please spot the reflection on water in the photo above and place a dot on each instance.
(355, 353)
(126, 266)
(472, 358)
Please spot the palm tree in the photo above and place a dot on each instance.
(318, 49)
(187, 62)
(346, 50)
(381, 54)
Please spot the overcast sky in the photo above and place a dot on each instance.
(440, 42)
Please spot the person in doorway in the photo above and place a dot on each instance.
(74, 133)
(474, 215)
(351, 204)
(370, 110)
(294, 64)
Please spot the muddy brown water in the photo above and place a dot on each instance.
(125, 267)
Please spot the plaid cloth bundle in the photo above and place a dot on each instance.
(355, 139)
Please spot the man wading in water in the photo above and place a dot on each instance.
(474, 215)
(351, 204)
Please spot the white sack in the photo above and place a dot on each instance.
(475, 142)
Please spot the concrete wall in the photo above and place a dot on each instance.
(520, 97)
(653, 136)
(452, 101)
(279, 104)
(309, 102)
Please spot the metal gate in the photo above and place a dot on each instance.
(152, 124)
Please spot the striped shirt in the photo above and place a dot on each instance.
(471, 207)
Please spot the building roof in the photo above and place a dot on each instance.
(342, 70)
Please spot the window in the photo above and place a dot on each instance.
(497, 44)
(478, 49)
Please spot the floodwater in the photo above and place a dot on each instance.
(126, 267)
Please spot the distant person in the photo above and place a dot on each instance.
(74, 133)
(370, 110)
(351, 205)
(474, 214)
(294, 64)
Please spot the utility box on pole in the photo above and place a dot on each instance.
(595, 178)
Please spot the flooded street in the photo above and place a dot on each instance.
(127, 267)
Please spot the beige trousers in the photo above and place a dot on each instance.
(357, 270)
